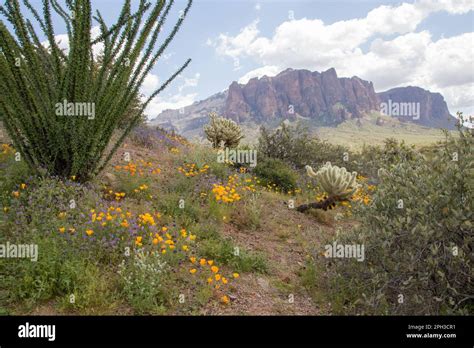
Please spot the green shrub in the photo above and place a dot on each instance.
(222, 250)
(249, 215)
(131, 185)
(273, 171)
(142, 281)
(59, 272)
(91, 290)
(294, 145)
(38, 206)
(62, 125)
(418, 238)
(372, 158)
(185, 209)
(219, 170)
(12, 173)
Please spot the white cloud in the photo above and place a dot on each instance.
(190, 82)
(150, 84)
(270, 70)
(460, 97)
(159, 104)
(63, 41)
(450, 6)
(166, 56)
(237, 45)
(407, 57)
(449, 60)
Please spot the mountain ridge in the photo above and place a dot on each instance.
(320, 96)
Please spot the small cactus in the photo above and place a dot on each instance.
(222, 132)
(336, 181)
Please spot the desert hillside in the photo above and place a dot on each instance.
(168, 229)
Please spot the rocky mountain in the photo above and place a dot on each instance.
(193, 116)
(419, 105)
(314, 95)
(324, 98)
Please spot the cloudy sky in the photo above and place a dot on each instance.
(426, 43)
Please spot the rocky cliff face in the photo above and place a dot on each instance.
(417, 105)
(321, 96)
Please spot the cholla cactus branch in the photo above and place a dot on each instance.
(334, 180)
(222, 131)
(338, 183)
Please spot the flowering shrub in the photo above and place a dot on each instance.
(12, 175)
(124, 230)
(142, 168)
(154, 138)
(191, 169)
(133, 180)
(34, 204)
(208, 270)
(231, 191)
(142, 277)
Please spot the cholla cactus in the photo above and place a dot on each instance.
(337, 182)
(222, 131)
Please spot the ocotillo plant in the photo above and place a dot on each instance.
(337, 182)
(42, 86)
(222, 132)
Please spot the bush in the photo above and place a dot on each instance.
(296, 146)
(372, 158)
(11, 173)
(58, 272)
(62, 135)
(143, 136)
(248, 216)
(224, 251)
(155, 138)
(273, 171)
(142, 277)
(39, 204)
(418, 239)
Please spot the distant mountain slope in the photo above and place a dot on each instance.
(323, 98)
(193, 116)
(433, 110)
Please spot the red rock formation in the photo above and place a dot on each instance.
(301, 92)
(319, 96)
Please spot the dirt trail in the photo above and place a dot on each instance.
(285, 237)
